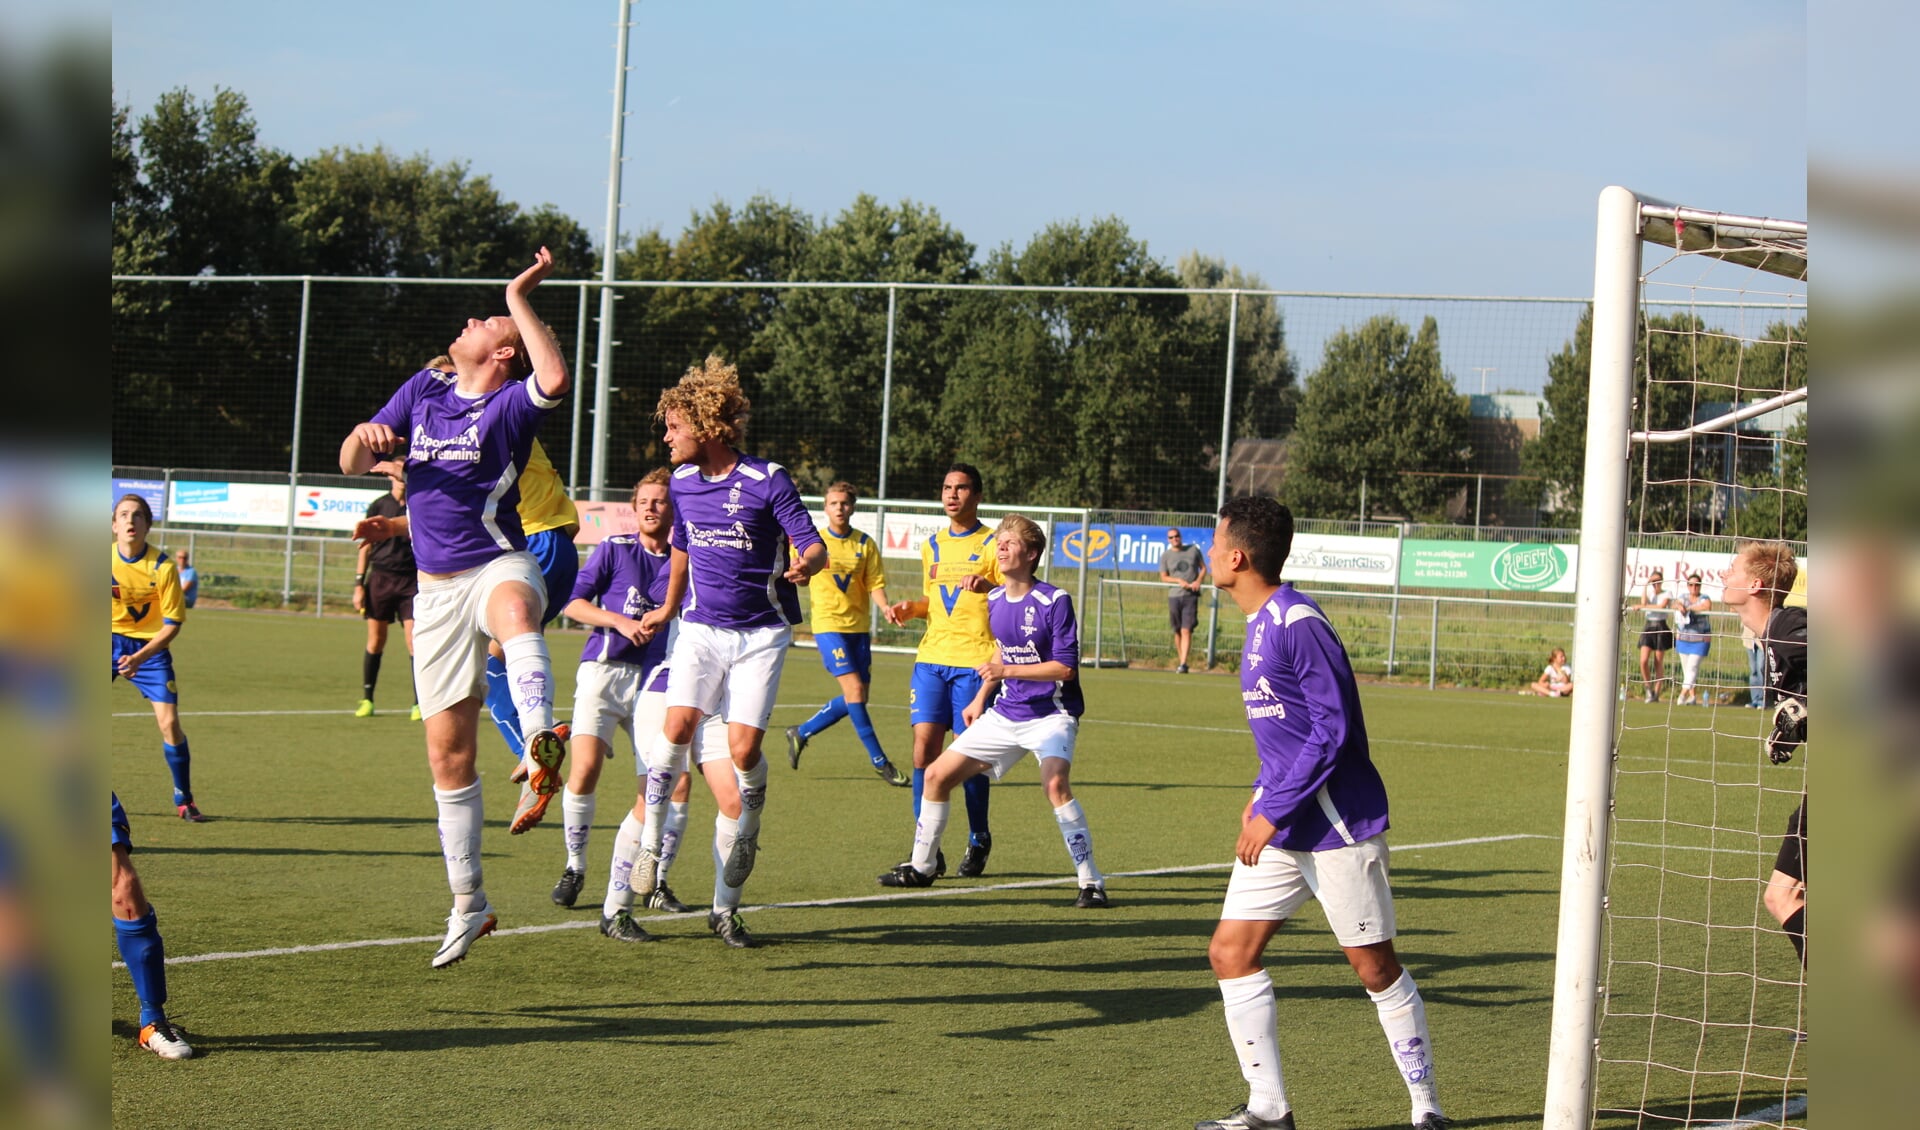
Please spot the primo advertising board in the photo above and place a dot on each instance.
(1127, 549)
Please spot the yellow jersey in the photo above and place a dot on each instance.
(544, 504)
(840, 592)
(146, 593)
(958, 634)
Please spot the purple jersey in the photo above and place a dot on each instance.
(735, 531)
(1036, 628)
(1317, 783)
(464, 458)
(623, 576)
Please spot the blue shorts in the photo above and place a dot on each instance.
(845, 653)
(559, 562)
(122, 834)
(155, 676)
(941, 693)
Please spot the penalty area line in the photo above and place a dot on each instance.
(850, 900)
(1770, 1116)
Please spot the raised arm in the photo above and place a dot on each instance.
(549, 364)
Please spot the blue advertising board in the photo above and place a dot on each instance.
(153, 490)
(1127, 549)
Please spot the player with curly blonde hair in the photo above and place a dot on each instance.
(737, 520)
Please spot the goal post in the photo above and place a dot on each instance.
(1628, 223)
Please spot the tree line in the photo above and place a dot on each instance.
(1108, 400)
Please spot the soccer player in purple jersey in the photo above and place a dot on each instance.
(735, 518)
(1036, 672)
(621, 668)
(1315, 827)
(466, 438)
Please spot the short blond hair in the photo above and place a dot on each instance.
(1024, 530)
(1772, 564)
(520, 365)
(659, 476)
(443, 363)
(842, 487)
(709, 399)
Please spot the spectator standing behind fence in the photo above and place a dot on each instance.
(1556, 678)
(1185, 568)
(1656, 639)
(1693, 638)
(189, 579)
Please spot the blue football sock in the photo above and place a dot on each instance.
(146, 958)
(826, 716)
(180, 764)
(976, 791)
(863, 726)
(506, 716)
(919, 786)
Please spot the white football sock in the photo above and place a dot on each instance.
(1251, 1021)
(626, 848)
(664, 762)
(926, 834)
(725, 829)
(1403, 1017)
(461, 815)
(753, 795)
(576, 818)
(670, 839)
(1073, 830)
(530, 680)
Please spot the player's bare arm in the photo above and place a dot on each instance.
(586, 612)
(810, 562)
(379, 528)
(909, 610)
(363, 447)
(676, 589)
(543, 352)
(1256, 832)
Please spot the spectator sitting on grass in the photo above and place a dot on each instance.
(1556, 678)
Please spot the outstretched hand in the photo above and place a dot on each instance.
(375, 529)
(533, 276)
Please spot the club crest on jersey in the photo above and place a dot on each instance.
(1253, 648)
(733, 503)
(1027, 626)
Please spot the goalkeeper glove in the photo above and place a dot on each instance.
(1789, 730)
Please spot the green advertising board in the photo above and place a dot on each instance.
(1512, 566)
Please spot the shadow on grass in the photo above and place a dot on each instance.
(276, 851)
(1431, 883)
(442, 1033)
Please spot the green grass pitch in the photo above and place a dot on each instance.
(991, 1005)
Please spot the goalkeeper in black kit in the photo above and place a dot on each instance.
(1756, 587)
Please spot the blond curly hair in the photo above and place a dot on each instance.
(709, 399)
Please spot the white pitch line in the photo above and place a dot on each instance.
(1771, 1116)
(851, 900)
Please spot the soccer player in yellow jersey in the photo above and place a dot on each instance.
(148, 610)
(958, 569)
(840, 592)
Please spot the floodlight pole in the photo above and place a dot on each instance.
(603, 362)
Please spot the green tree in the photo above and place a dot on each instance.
(1266, 398)
(1379, 405)
(1073, 396)
(821, 395)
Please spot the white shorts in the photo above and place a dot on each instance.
(709, 737)
(728, 671)
(1001, 742)
(605, 696)
(450, 629)
(1350, 882)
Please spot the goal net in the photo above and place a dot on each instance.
(1679, 1000)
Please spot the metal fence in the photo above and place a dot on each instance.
(1070, 396)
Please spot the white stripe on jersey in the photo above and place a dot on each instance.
(489, 514)
(1333, 814)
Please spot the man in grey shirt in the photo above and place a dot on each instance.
(1185, 568)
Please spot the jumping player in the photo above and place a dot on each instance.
(467, 437)
(1037, 675)
(149, 609)
(958, 569)
(1315, 827)
(735, 516)
(840, 592)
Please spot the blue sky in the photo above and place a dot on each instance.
(1418, 147)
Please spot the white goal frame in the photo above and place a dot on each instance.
(1626, 219)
